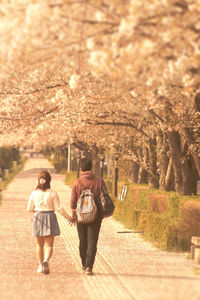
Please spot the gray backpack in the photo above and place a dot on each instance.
(86, 208)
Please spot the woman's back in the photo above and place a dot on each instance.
(44, 200)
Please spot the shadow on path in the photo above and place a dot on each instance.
(28, 173)
(146, 276)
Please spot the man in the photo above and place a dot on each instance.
(88, 233)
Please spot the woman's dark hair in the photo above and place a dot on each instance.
(44, 186)
(85, 164)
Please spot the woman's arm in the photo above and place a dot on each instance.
(31, 205)
(58, 206)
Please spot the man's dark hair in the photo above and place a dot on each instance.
(85, 164)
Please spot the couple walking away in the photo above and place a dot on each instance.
(44, 201)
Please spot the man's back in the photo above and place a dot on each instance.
(86, 178)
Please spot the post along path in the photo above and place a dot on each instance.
(126, 266)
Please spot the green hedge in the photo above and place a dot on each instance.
(162, 230)
(12, 173)
(70, 177)
(7, 156)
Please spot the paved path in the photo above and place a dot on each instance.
(126, 267)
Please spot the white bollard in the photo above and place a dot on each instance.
(14, 163)
(6, 172)
(197, 255)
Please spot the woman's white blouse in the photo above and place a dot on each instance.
(46, 201)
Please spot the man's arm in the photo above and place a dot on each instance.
(73, 202)
(74, 216)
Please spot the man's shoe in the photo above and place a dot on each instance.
(88, 271)
(46, 267)
(83, 269)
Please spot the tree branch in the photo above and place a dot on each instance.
(42, 114)
(36, 90)
(119, 124)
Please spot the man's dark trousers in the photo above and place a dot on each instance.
(88, 237)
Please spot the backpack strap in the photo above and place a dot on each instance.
(92, 183)
(83, 186)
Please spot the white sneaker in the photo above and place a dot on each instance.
(40, 269)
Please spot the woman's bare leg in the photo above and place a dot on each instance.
(48, 247)
(40, 249)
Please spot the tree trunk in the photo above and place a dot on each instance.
(88, 154)
(190, 176)
(163, 158)
(175, 149)
(95, 161)
(134, 171)
(142, 174)
(152, 170)
(191, 141)
(169, 178)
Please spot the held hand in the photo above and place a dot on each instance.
(73, 220)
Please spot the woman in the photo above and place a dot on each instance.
(43, 202)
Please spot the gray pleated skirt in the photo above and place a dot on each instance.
(45, 223)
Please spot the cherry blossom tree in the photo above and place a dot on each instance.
(104, 73)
